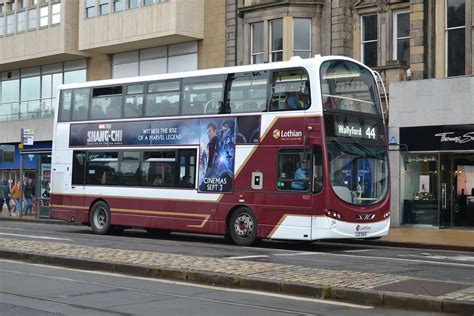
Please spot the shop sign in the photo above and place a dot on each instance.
(449, 137)
(27, 136)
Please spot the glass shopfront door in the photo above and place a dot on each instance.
(462, 190)
(44, 185)
(446, 190)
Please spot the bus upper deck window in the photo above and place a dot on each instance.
(290, 90)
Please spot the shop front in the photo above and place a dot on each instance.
(437, 176)
(36, 165)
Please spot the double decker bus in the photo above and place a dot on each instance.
(291, 150)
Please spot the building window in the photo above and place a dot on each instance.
(257, 43)
(302, 38)
(20, 22)
(55, 13)
(103, 7)
(1, 26)
(90, 8)
(132, 4)
(155, 60)
(34, 2)
(32, 19)
(118, 5)
(10, 24)
(276, 40)
(455, 37)
(44, 12)
(31, 92)
(401, 36)
(369, 40)
(147, 2)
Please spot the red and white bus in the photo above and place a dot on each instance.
(290, 150)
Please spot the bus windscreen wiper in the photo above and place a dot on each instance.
(344, 148)
(366, 150)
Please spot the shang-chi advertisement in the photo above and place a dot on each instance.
(216, 138)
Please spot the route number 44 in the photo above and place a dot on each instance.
(370, 132)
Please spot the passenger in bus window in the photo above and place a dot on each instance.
(97, 112)
(131, 110)
(108, 177)
(301, 177)
(113, 110)
(167, 109)
(297, 101)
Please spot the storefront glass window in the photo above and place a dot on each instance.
(420, 189)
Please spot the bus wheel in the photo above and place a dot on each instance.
(99, 218)
(243, 227)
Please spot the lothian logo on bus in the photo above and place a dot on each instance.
(279, 134)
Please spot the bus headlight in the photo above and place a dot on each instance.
(333, 214)
(386, 215)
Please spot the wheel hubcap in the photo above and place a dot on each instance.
(244, 225)
(100, 218)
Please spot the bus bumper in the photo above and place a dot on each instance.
(324, 227)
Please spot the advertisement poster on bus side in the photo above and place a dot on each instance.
(158, 132)
(216, 157)
(216, 138)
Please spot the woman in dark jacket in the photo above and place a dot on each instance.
(5, 195)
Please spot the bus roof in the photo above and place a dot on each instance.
(292, 63)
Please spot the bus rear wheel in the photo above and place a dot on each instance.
(243, 227)
(99, 218)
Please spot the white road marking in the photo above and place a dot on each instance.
(246, 257)
(284, 296)
(12, 228)
(440, 257)
(294, 254)
(35, 237)
(359, 250)
(394, 259)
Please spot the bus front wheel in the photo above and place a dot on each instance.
(243, 227)
(99, 218)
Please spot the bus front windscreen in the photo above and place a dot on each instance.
(347, 86)
(358, 173)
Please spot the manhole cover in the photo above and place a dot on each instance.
(422, 287)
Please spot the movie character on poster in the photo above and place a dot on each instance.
(217, 155)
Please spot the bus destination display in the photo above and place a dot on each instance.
(360, 128)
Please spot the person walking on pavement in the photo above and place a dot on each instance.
(29, 195)
(5, 194)
(16, 199)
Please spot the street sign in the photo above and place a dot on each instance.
(27, 136)
(393, 141)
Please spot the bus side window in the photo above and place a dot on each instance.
(290, 90)
(81, 104)
(293, 170)
(66, 102)
(78, 167)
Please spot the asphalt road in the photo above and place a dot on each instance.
(419, 263)
(27, 289)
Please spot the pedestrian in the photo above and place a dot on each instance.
(5, 194)
(29, 190)
(15, 192)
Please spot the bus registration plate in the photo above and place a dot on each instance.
(360, 234)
